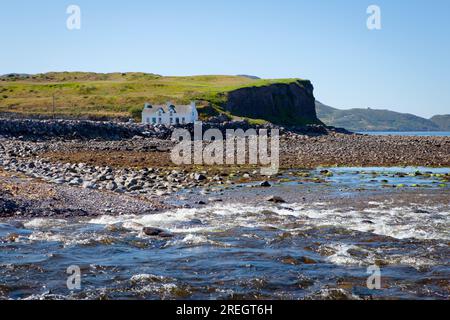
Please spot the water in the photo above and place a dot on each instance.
(410, 133)
(231, 250)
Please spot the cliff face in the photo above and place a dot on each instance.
(280, 103)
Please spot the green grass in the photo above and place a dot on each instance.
(117, 94)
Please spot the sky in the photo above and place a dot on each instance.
(404, 66)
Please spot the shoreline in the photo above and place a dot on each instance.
(138, 169)
(83, 182)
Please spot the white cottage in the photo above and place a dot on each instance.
(169, 114)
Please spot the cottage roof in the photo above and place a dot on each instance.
(168, 107)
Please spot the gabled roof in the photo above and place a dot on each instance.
(168, 107)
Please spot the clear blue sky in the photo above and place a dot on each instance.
(404, 67)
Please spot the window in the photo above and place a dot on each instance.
(148, 120)
(171, 120)
(183, 120)
(154, 120)
(177, 120)
(159, 120)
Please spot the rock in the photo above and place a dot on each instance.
(421, 211)
(290, 260)
(306, 260)
(357, 253)
(130, 183)
(111, 186)
(75, 182)
(367, 222)
(275, 199)
(196, 222)
(101, 177)
(221, 118)
(119, 190)
(304, 283)
(326, 173)
(135, 188)
(199, 177)
(7, 206)
(265, 184)
(16, 224)
(89, 185)
(69, 129)
(165, 234)
(151, 231)
(117, 227)
(201, 202)
(12, 237)
(59, 181)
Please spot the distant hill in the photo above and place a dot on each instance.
(375, 120)
(249, 76)
(443, 121)
(15, 76)
(122, 95)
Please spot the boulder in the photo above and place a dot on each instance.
(276, 199)
(199, 177)
(156, 232)
(265, 184)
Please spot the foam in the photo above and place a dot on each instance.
(396, 222)
(38, 223)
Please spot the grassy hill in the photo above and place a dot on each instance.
(116, 94)
(373, 120)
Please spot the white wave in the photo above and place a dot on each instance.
(343, 257)
(69, 239)
(396, 222)
(145, 277)
(195, 240)
(38, 223)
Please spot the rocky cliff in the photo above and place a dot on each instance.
(291, 103)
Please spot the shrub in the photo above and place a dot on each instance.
(135, 112)
(87, 89)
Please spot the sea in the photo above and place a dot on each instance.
(408, 133)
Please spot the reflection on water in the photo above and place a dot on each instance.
(233, 251)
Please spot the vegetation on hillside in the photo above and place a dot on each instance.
(443, 121)
(373, 120)
(115, 94)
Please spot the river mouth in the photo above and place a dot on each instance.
(241, 250)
